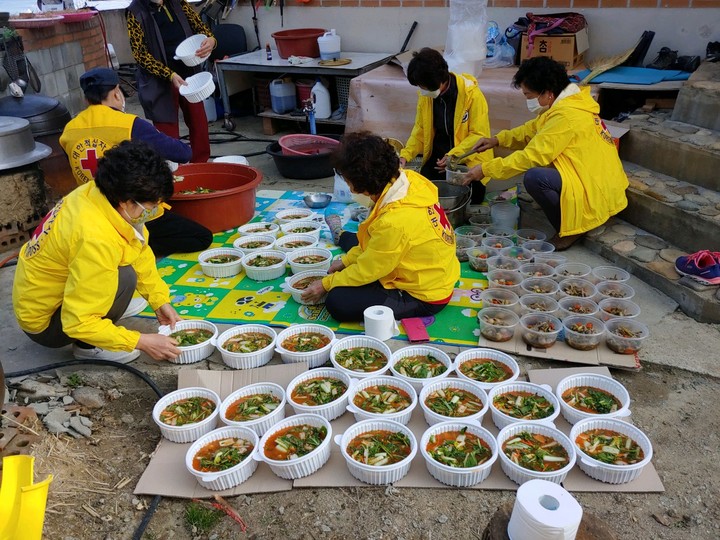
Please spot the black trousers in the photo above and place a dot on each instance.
(347, 304)
(54, 336)
(544, 184)
(173, 233)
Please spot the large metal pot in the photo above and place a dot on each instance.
(451, 195)
(47, 117)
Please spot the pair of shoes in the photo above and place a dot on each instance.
(703, 266)
(96, 353)
(665, 58)
(562, 243)
(136, 305)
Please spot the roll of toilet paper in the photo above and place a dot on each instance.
(380, 323)
(544, 511)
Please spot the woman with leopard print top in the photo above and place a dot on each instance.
(156, 28)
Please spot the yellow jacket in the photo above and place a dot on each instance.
(72, 260)
(471, 124)
(406, 243)
(571, 137)
(90, 134)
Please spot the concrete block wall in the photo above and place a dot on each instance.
(60, 54)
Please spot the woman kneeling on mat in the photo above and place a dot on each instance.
(405, 257)
(572, 168)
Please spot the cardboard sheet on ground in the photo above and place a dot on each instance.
(576, 480)
(166, 473)
(563, 352)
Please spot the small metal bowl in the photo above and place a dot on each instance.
(317, 200)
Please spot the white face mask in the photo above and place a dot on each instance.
(432, 94)
(122, 107)
(534, 106)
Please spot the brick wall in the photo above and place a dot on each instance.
(63, 52)
(526, 3)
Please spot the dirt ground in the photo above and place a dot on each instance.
(91, 496)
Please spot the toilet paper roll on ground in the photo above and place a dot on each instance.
(544, 511)
(380, 323)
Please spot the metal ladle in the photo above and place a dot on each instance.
(454, 161)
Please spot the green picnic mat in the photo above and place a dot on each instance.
(240, 300)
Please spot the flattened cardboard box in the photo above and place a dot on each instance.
(166, 474)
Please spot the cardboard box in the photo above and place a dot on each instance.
(568, 49)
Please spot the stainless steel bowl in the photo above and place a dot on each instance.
(317, 200)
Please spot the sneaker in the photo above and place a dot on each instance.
(701, 266)
(136, 305)
(96, 353)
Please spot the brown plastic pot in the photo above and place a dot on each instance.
(229, 205)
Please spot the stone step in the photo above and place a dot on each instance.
(683, 213)
(698, 101)
(647, 257)
(684, 151)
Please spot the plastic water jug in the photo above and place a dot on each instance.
(282, 95)
(329, 44)
(321, 100)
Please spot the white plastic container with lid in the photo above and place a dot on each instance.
(329, 44)
(321, 100)
(282, 95)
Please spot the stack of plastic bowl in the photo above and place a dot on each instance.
(505, 215)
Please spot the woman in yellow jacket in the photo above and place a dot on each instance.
(77, 274)
(405, 257)
(452, 115)
(571, 165)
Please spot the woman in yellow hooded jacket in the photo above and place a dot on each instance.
(76, 275)
(571, 165)
(405, 257)
(452, 115)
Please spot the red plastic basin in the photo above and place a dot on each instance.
(229, 205)
(298, 42)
